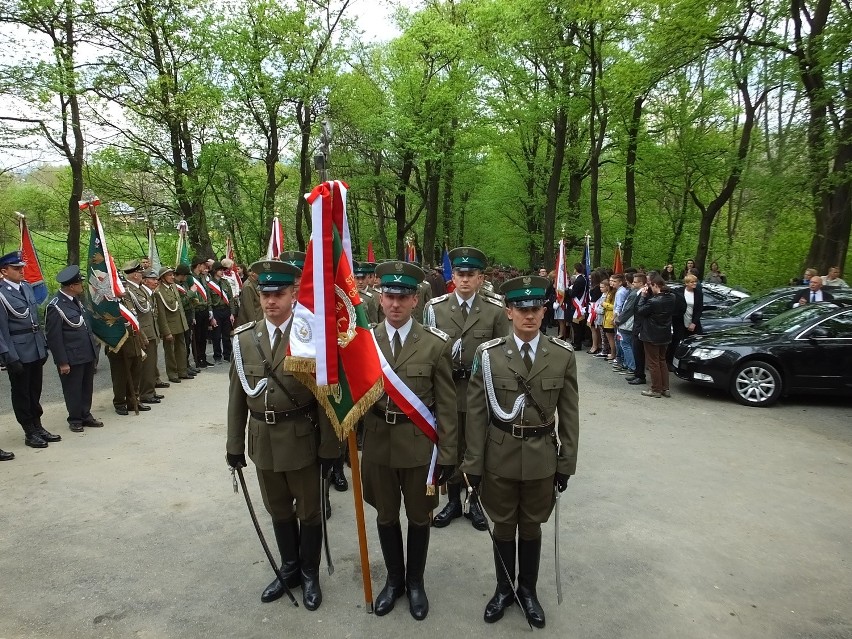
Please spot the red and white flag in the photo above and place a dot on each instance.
(276, 240)
(563, 283)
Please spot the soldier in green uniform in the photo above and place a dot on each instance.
(289, 438)
(470, 319)
(363, 271)
(522, 430)
(172, 323)
(125, 362)
(145, 308)
(398, 454)
(199, 297)
(250, 310)
(424, 294)
(182, 274)
(224, 306)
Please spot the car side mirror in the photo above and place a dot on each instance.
(756, 317)
(819, 333)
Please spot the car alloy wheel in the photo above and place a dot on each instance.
(756, 383)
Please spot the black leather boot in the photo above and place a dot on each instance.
(453, 509)
(418, 548)
(337, 476)
(45, 435)
(390, 538)
(529, 556)
(32, 438)
(505, 593)
(287, 536)
(476, 516)
(310, 548)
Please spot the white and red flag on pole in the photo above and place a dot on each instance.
(32, 271)
(562, 283)
(276, 240)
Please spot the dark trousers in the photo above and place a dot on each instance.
(202, 321)
(578, 330)
(77, 387)
(656, 356)
(26, 393)
(187, 340)
(222, 333)
(639, 356)
(125, 370)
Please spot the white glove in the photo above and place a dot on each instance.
(555, 305)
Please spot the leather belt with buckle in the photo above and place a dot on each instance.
(273, 417)
(390, 417)
(461, 373)
(521, 431)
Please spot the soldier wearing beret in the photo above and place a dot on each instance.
(224, 307)
(470, 319)
(289, 438)
(72, 345)
(26, 349)
(172, 324)
(125, 361)
(522, 431)
(398, 454)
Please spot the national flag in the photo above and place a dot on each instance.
(371, 256)
(32, 271)
(182, 244)
(448, 266)
(617, 267)
(563, 283)
(153, 253)
(276, 240)
(108, 313)
(331, 348)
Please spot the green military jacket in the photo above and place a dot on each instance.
(250, 310)
(486, 320)
(170, 317)
(424, 366)
(196, 300)
(371, 305)
(145, 308)
(217, 302)
(553, 383)
(288, 445)
(424, 294)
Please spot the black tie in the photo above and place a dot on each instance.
(525, 355)
(276, 341)
(464, 311)
(397, 345)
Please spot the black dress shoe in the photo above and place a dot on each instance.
(149, 400)
(453, 509)
(121, 410)
(186, 377)
(338, 479)
(161, 385)
(6, 456)
(637, 380)
(476, 516)
(174, 380)
(45, 435)
(75, 427)
(143, 407)
(93, 422)
(158, 396)
(32, 440)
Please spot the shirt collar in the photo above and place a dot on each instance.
(147, 290)
(14, 285)
(403, 330)
(70, 297)
(533, 342)
(271, 327)
(469, 302)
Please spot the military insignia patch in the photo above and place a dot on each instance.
(527, 281)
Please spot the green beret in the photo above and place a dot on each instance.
(400, 278)
(526, 291)
(274, 275)
(467, 258)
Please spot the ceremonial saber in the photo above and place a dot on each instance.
(324, 507)
(262, 538)
(359, 520)
(475, 492)
(556, 549)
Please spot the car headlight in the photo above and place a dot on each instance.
(707, 353)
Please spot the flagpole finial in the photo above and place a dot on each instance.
(563, 230)
(20, 215)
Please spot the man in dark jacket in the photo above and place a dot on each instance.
(812, 294)
(656, 306)
(578, 291)
(638, 377)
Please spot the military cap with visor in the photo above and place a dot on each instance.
(12, 259)
(363, 269)
(293, 258)
(467, 258)
(275, 275)
(399, 278)
(131, 267)
(69, 275)
(525, 292)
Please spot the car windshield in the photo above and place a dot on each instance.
(795, 319)
(743, 307)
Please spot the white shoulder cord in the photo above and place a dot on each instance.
(166, 304)
(142, 309)
(64, 317)
(498, 412)
(238, 365)
(12, 311)
(429, 319)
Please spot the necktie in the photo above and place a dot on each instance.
(276, 341)
(813, 296)
(397, 345)
(464, 310)
(525, 355)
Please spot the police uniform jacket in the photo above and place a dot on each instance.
(19, 324)
(424, 366)
(294, 441)
(486, 320)
(68, 334)
(553, 383)
(170, 317)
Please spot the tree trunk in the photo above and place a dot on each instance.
(554, 184)
(400, 212)
(630, 178)
(379, 198)
(430, 227)
(304, 118)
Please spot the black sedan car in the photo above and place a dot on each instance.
(716, 296)
(754, 310)
(802, 350)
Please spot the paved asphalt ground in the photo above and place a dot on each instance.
(689, 517)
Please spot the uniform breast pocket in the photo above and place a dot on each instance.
(254, 373)
(419, 377)
(552, 386)
(482, 334)
(506, 389)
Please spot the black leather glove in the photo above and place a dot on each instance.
(474, 481)
(16, 368)
(236, 461)
(326, 465)
(561, 481)
(446, 471)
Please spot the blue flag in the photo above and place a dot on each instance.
(448, 267)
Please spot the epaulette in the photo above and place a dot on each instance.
(438, 299)
(492, 343)
(53, 302)
(561, 342)
(365, 293)
(437, 331)
(244, 327)
(493, 300)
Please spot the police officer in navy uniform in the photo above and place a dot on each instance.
(72, 345)
(26, 349)
(4, 454)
